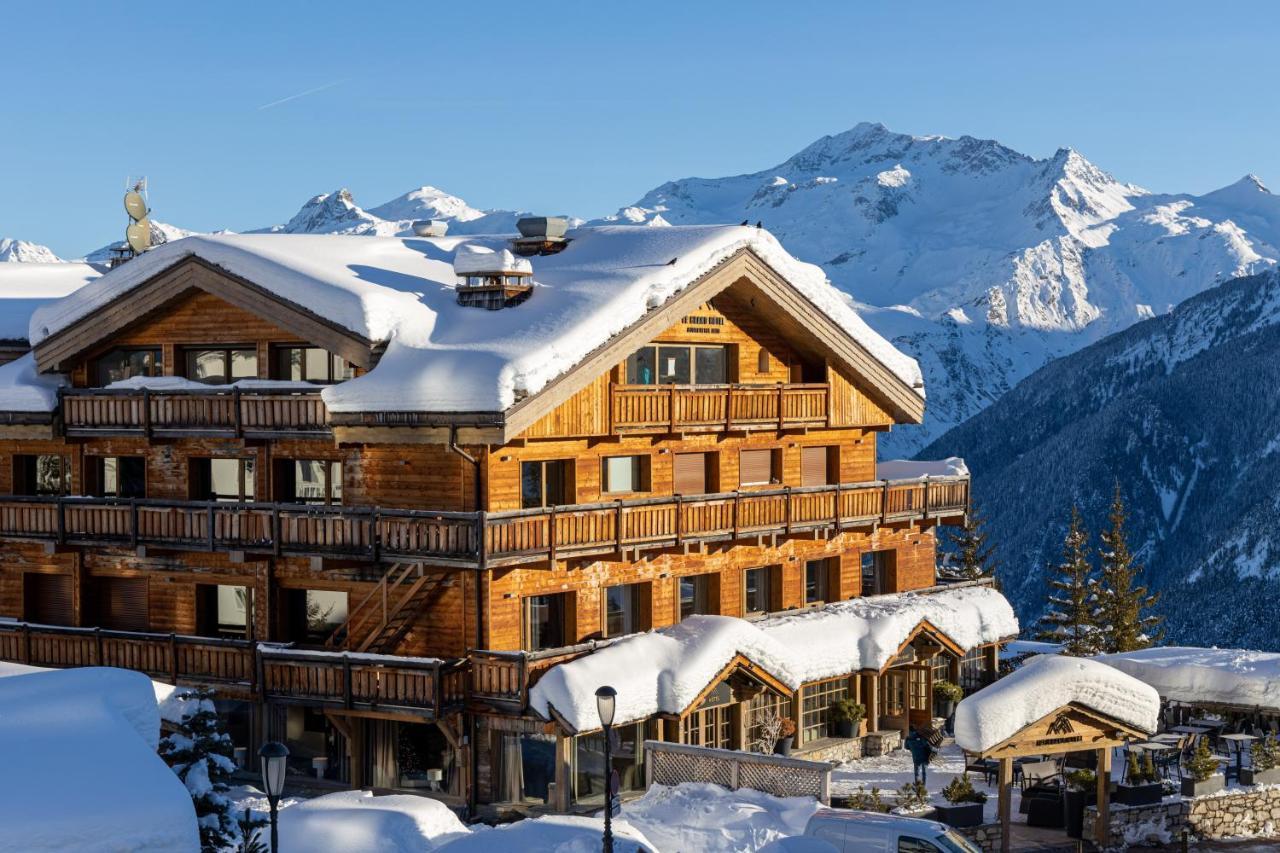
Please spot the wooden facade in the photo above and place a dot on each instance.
(131, 517)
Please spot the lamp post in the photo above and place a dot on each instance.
(273, 756)
(606, 703)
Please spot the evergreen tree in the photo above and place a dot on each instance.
(1123, 607)
(202, 756)
(970, 557)
(1071, 618)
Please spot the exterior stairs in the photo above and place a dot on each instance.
(380, 620)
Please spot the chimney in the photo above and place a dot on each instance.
(489, 279)
(541, 235)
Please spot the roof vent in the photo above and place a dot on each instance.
(541, 235)
(489, 279)
(430, 228)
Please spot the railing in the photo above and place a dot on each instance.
(477, 539)
(230, 412)
(502, 678)
(674, 763)
(674, 408)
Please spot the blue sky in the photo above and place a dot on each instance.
(583, 107)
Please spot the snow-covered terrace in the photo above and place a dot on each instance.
(663, 671)
(1229, 678)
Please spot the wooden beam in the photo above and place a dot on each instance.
(1102, 828)
(1006, 801)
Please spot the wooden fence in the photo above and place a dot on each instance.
(781, 776)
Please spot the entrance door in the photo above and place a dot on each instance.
(919, 697)
(893, 700)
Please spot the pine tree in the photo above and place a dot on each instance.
(1071, 618)
(201, 754)
(970, 557)
(1122, 608)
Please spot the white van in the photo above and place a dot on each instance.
(851, 831)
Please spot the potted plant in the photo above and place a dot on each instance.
(913, 799)
(1266, 763)
(964, 803)
(1203, 770)
(1140, 786)
(946, 694)
(786, 737)
(846, 717)
(1082, 791)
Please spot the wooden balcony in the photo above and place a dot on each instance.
(218, 412)
(418, 686)
(468, 539)
(715, 408)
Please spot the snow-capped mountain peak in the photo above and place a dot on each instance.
(426, 202)
(330, 213)
(22, 251)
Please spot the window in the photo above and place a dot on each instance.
(546, 621)
(694, 473)
(875, 572)
(116, 476)
(712, 723)
(821, 580)
(940, 664)
(818, 466)
(222, 479)
(759, 467)
(624, 609)
(222, 365)
(893, 694)
(919, 688)
(973, 669)
(546, 483)
(43, 474)
(699, 594)
(907, 844)
(759, 588)
(46, 599)
(223, 610)
(764, 704)
(678, 364)
(626, 474)
(762, 361)
(309, 364)
(120, 364)
(314, 614)
(120, 603)
(308, 481)
(815, 706)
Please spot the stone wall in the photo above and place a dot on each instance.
(881, 743)
(838, 750)
(986, 836)
(1252, 812)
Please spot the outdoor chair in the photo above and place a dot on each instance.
(986, 766)
(1041, 775)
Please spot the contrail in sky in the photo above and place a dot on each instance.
(301, 95)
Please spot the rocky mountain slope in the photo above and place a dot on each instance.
(1182, 411)
(21, 251)
(338, 213)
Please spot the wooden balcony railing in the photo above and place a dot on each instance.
(694, 408)
(477, 539)
(272, 673)
(230, 412)
(501, 679)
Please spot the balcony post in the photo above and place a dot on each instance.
(97, 637)
(672, 408)
(679, 520)
(551, 534)
(210, 532)
(173, 658)
(375, 535)
(62, 521)
(786, 511)
(133, 522)
(781, 396)
(617, 525)
(146, 412)
(26, 642)
(236, 417)
(884, 502)
(482, 540)
(275, 530)
(736, 496)
(924, 514)
(837, 520)
(728, 409)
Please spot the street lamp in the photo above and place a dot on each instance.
(273, 755)
(606, 704)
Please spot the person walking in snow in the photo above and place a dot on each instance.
(921, 752)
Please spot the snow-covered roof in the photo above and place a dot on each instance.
(1205, 676)
(475, 258)
(662, 671)
(910, 469)
(443, 357)
(25, 287)
(1041, 686)
(24, 389)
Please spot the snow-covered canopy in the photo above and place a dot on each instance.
(1205, 676)
(663, 671)
(443, 357)
(910, 469)
(25, 287)
(1045, 684)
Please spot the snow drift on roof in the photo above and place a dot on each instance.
(26, 287)
(1045, 684)
(1227, 676)
(664, 670)
(24, 389)
(443, 357)
(474, 258)
(909, 469)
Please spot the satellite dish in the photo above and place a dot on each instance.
(135, 205)
(138, 234)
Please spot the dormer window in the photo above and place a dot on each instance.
(221, 365)
(125, 363)
(309, 364)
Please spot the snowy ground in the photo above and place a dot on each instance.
(890, 772)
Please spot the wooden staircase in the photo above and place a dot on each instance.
(381, 619)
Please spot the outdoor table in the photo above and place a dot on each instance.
(1191, 730)
(1166, 738)
(1156, 748)
(1208, 723)
(1239, 740)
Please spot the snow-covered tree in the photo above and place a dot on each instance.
(969, 556)
(202, 756)
(1071, 617)
(1123, 609)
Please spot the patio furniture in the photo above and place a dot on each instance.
(1236, 743)
(1163, 755)
(986, 766)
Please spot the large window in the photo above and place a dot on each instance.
(973, 669)
(764, 704)
(678, 364)
(624, 609)
(116, 476)
(546, 621)
(699, 594)
(314, 614)
(221, 365)
(875, 572)
(919, 688)
(227, 479)
(308, 481)
(120, 364)
(309, 364)
(712, 723)
(821, 580)
(759, 467)
(625, 474)
(760, 590)
(41, 474)
(815, 706)
(546, 483)
(223, 610)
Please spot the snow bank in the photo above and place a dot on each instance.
(82, 771)
(25, 287)
(1184, 674)
(551, 834)
(706, 817)
(179, 383)
(22, 389)
(1043, 685)
(663, 670)
(359, 822)
(909, 469)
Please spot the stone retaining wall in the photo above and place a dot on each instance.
(1252, 812)
(986, 836)
(838, 750)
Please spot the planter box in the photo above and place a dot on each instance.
(1139, 795)
(1076, 803)
(1212, 785)
(1249, 776)
(783, 746)
(960, 814)
(843, 728)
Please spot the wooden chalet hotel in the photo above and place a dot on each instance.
(405, 503)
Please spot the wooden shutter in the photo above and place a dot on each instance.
(122, 603)
(47, 599)
(814, 466)
(756, 467)
(690, 474)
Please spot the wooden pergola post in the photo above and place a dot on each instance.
(1102, 829)
(873, 703)
(1006, 801)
